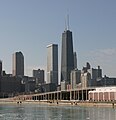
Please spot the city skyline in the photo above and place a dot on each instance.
(28, 27)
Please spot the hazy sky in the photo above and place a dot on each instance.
(30, 25)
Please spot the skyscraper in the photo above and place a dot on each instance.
(0, 68)
(96, 74)
(39, 75)
(75, 78)
(67, 57)
(52, 63)
(85, 79)
(18, 64)
(75, 60)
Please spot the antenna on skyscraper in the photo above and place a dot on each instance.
(67, 21)
(65, 24)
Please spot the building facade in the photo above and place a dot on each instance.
(103, 94)
(96, 75)
(75, 60)
(18, 64)
(10, 85)
(106, 81)
(39, 75)
(0, 68)
(52, 63)
(67, 57)
(75, 78)
(85, 79)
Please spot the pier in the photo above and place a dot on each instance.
(80, 94)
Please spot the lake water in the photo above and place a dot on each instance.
(44, 112)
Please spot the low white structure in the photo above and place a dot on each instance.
(103, 94)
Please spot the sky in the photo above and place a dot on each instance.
(30, 25)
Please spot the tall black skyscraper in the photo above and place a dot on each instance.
(67, 57)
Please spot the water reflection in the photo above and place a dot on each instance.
(102, 114)
(65, 113)
(43, 112)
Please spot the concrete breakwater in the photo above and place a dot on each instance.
(60, 102)
(76, 103)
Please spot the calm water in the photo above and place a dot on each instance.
(44, 112)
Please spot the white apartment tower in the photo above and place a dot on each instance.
(52, 63)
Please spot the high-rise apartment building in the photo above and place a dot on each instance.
(85, 79)
(39, 75)
(75, 78)
(96, 74)
(67, 57)
(52, 63)
(18, 64)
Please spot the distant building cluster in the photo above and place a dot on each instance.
(70, 76)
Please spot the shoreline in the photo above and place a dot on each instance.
(61, 103)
